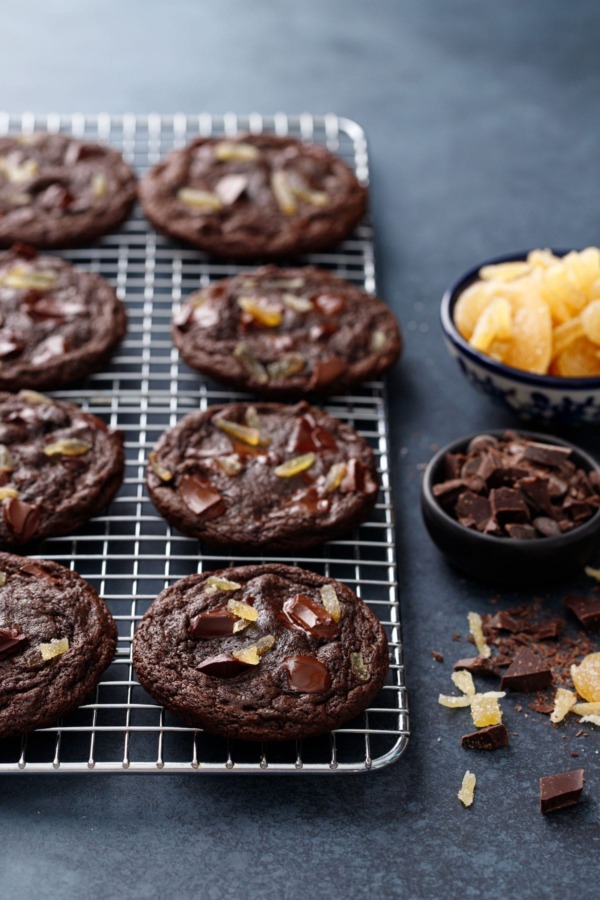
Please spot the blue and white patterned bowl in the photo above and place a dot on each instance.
(547, 398)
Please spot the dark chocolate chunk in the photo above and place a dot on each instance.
(10, 638)
(473, 506)
(527, 672)
(546, 454)
(559, 791)
(22, 518)
(216, 622)
(521, 532)
(586, 608)
(326, 371)
(491, 738)
(223, 666)
(307, 675)
(546, 526)
(508, 505)
(198, 494)
(310, 616)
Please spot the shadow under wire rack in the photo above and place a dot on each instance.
(130, 554)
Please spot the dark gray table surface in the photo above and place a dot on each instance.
(484, 133)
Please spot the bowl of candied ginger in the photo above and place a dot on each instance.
(525, 330)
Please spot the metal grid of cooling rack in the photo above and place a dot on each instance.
(130, 554)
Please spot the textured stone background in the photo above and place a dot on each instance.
(483, 126)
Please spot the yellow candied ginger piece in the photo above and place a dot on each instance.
(470, 306)
(452, 702)
(592, 719)
(264, 313)
(507, 271)
(7, 492)
(586, 709)
(590, 321)
(159, 470)
(213, 584)
(67, 447)
(467, 790)
(485, 709)
(464, 682)
(197, 199)
(541, 259)
(229, 151)
(283, 193)
(243, 433)
(242, 610)
(18, 172)
(24, 278)
(476, 629)
(330, 601)
(253, 652)
(592, 573)
(586, 677)
(55, 647)
(295, 466)
(494, 323)
(581, 359)
(565, 334)
(564, 702)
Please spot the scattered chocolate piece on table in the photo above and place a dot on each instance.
(287, 332)
(516, 488)
(253, 196)
(60, 191)
(527, 672)
(56, 638)
(585, 608)
(559, 791)
(439, 657)
(58, 324)
(478, 665)
(491, 738)
(313, 657)
(263, 475)
(59, 467)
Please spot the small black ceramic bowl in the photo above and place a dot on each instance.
(503, 560)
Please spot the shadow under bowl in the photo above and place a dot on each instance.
(548, 398)
(503, 560)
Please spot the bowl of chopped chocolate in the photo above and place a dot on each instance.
(513, 507)
(525, 330)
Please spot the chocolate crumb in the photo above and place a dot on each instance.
(439, 657)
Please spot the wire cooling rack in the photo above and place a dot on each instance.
(130, 554)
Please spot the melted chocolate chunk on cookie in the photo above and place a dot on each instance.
(312, 656)
(253, 196)
(242, 475)
(286, 332)
(59, 466)
(57, 323)
(56, 639)
(59, 191)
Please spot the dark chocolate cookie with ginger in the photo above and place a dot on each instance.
(287, 332)
(264, 652)
(253, 196)
(265, 475)
(61, 191)
(56, 638)
(59, 466)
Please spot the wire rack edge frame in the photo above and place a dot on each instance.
(302, 125)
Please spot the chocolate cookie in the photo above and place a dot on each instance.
(57, 323)
(59, 191)
(253, 196)
(59, 466)
(56, 639)
(285, 332)
(267, 652)
(268, 475)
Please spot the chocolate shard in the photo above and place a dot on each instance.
(559, 791)
(503, 620)
(217, 622)
(546, 526)
(306, 674)
(527, 672)
(10, 638)
(200, 496)
(546, 454)
(22, 518)
(521, 532)
(223, 666)
(491, 738)
(303, 612)
(536, 492)
(585, 608)
(327, 370)
(479, 665)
